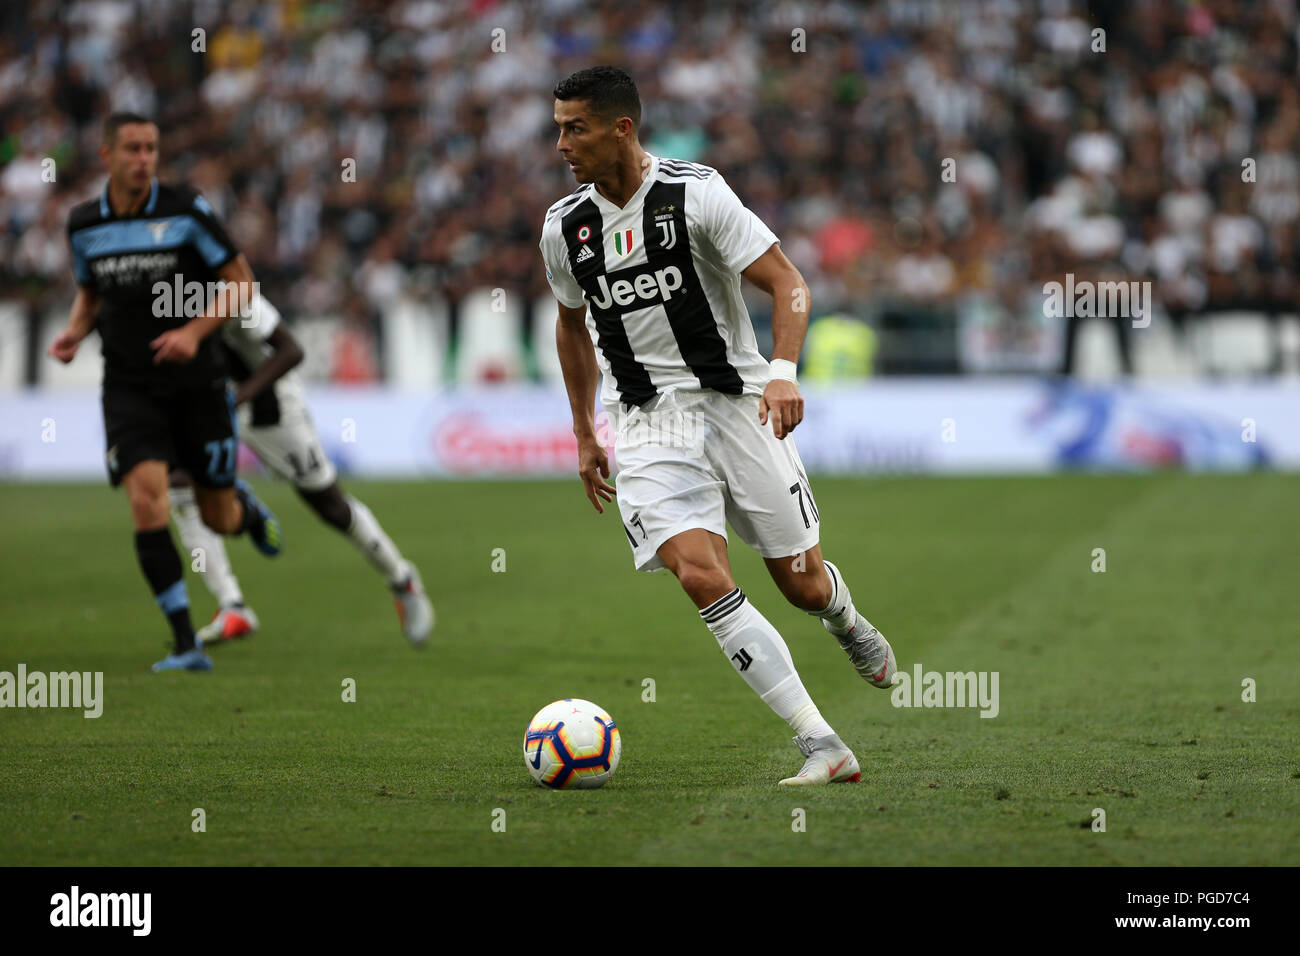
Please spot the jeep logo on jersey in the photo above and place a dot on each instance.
(649, 287)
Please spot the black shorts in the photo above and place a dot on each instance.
(194, 429)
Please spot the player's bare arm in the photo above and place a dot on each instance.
(181, 344)
(85, 308)
(578, 363)
(287, 355)
(776, 275)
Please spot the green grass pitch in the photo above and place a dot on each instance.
(1119, 690)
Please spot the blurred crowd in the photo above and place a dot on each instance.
(908, 153)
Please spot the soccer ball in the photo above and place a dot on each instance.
(572, 744)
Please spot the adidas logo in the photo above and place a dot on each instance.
(585, 254)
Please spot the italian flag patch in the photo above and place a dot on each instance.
(623, 242)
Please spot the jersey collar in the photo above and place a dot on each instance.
(605, 206)
(147, 209)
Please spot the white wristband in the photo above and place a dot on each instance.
(784, 370)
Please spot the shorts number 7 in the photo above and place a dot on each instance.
(798, 489)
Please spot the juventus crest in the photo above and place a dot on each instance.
(667, 224)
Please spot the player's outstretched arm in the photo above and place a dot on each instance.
(85, 308)
(180, 345)
(776, 275)
(578, 363)
(286, 354)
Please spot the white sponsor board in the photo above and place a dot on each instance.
(904, 426)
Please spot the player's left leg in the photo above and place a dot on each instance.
(293, 450)
(348, 515)
(234, 510)
(771, 506)
(817, 586)
(207, 444)
(233, 618)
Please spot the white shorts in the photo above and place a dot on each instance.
(700, 459)
(291, 448)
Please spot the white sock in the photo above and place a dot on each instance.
(217, 574)
(756, 650)
(840, 614)
(371, 541)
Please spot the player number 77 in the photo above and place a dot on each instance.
(214, 450)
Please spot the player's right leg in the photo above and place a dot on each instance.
(755, 648)
(673, 504)
(207, 550)
(139, 443)
(146, 490)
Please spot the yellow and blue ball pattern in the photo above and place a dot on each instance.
(572, 744)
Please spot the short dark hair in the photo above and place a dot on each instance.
(117, 120)
(609, 90)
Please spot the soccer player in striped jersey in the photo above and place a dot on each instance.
(275, 422)
(645, 258)
(165, 397)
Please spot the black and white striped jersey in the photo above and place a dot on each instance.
(661, 278)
